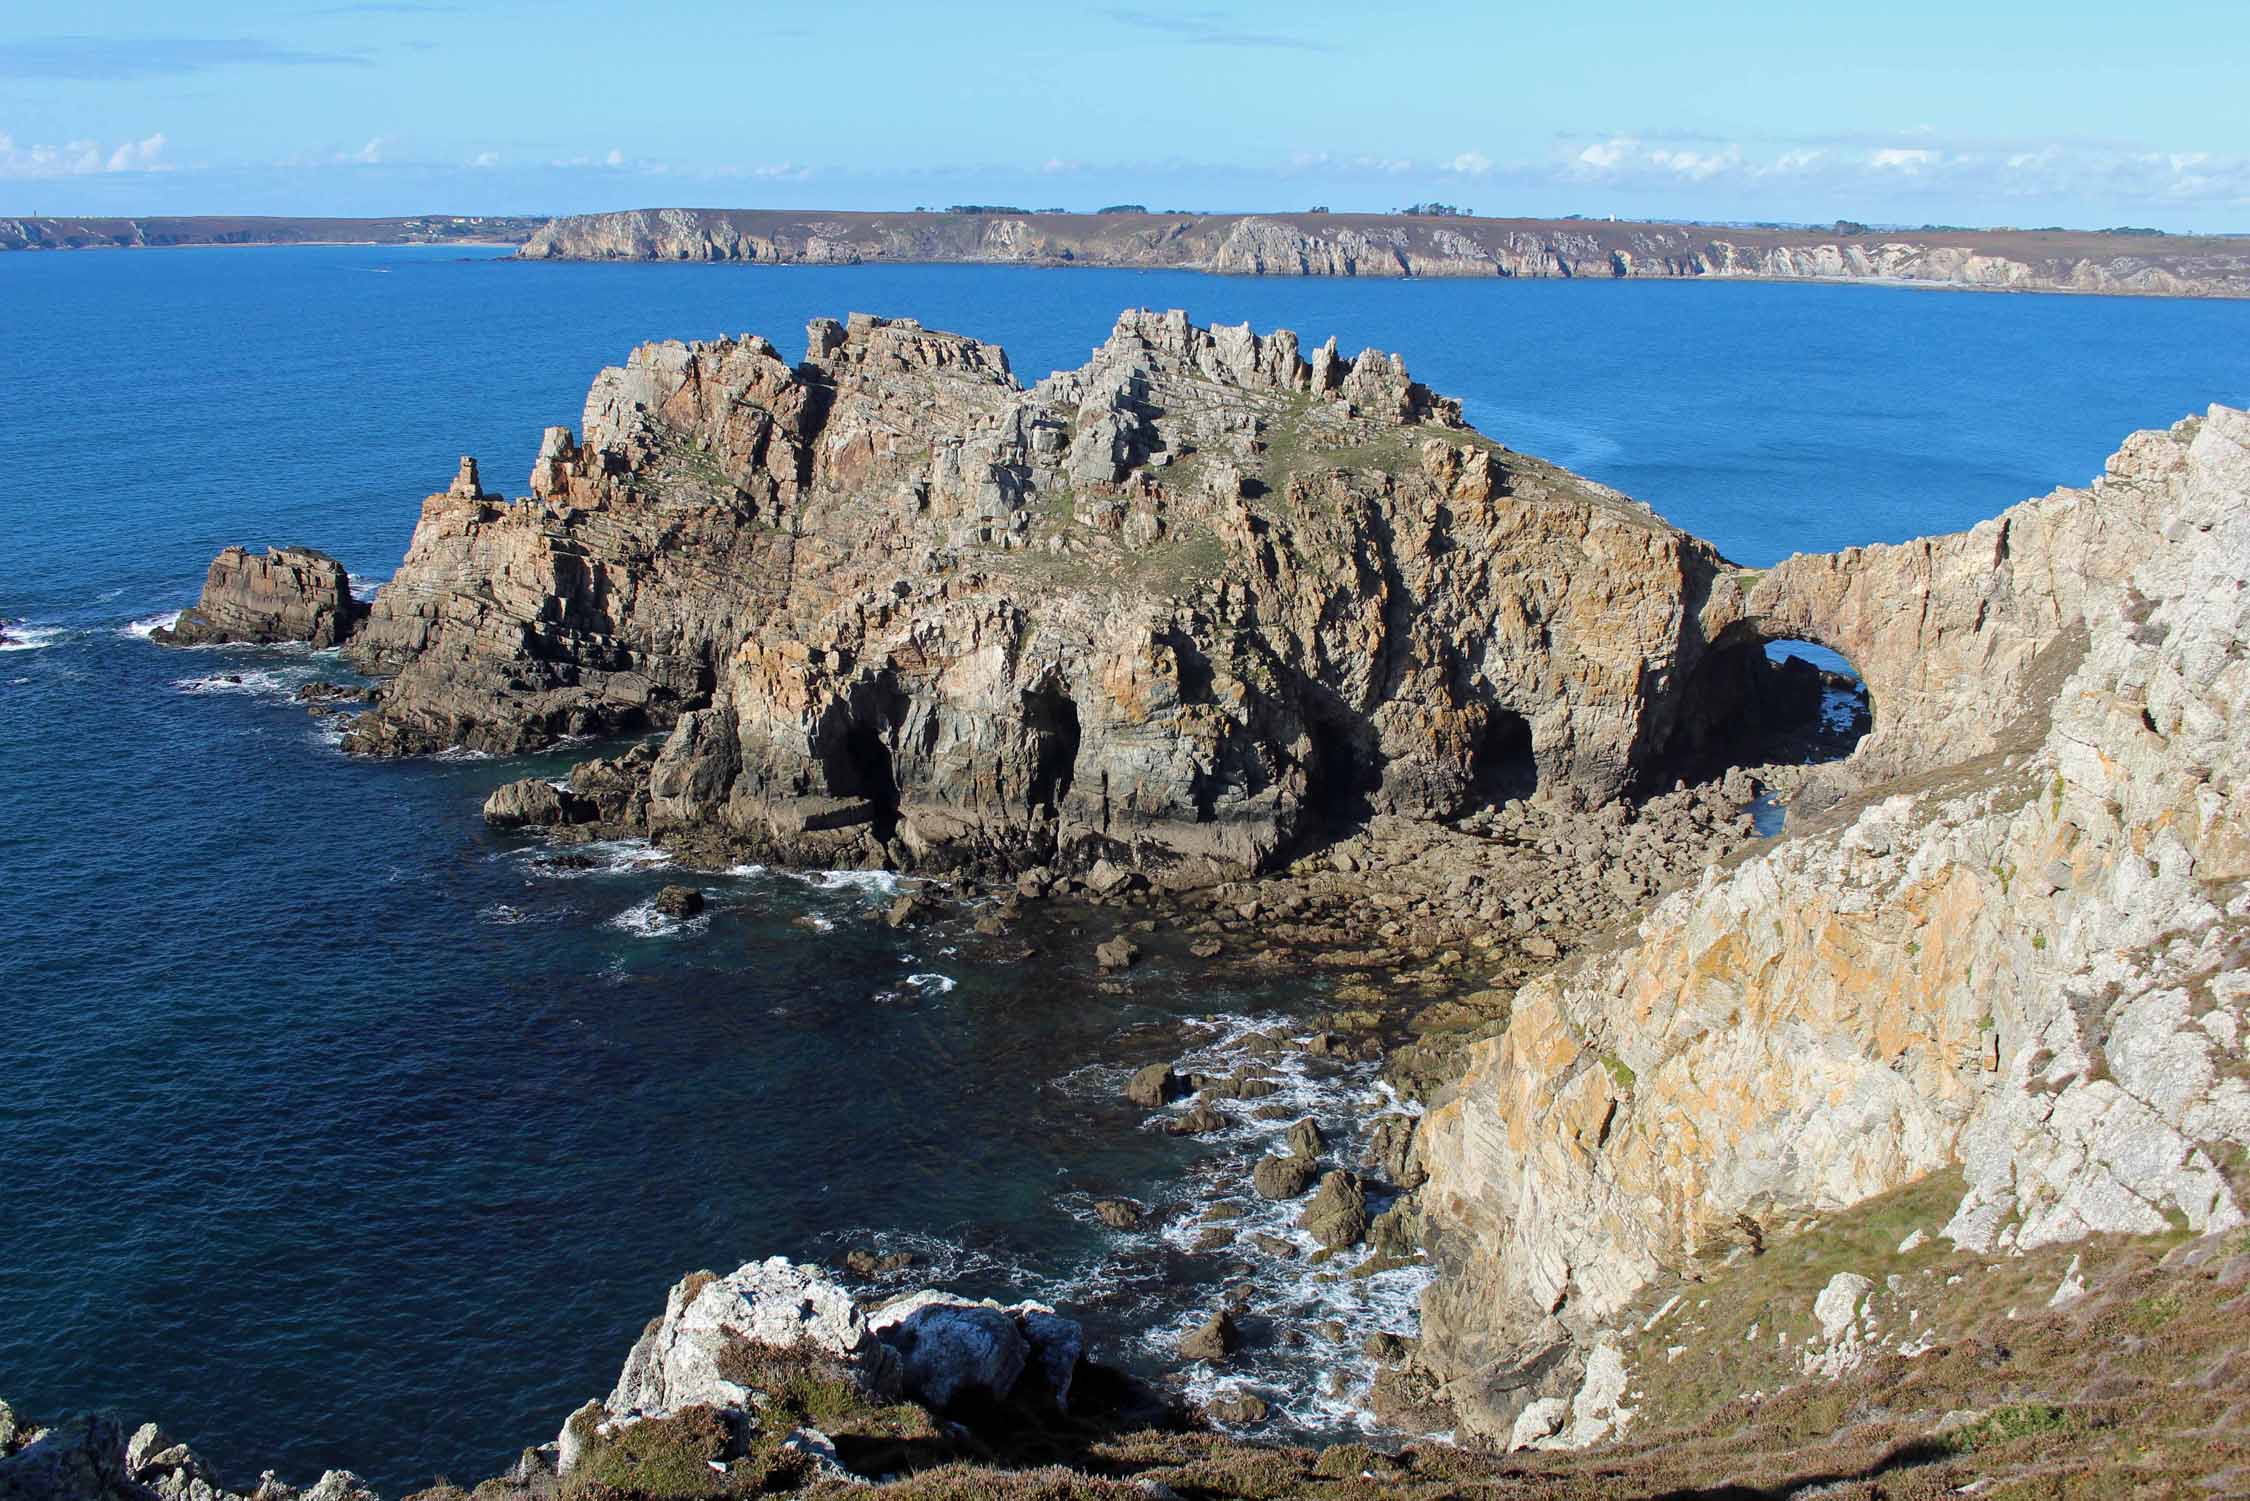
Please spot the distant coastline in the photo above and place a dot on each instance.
(204, 230)
(1394, 246)
(1419, 245)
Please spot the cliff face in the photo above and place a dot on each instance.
(2025, 955)
(1385, 245)
(1173, 607)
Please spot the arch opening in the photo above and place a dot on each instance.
(1762, 701)
(1052, 718)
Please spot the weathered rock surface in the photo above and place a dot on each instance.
(1174, 611)
(2024, 955)
(534, 802)
(679, 1361)
(96, 1457)
(1408, 245)
(949, 1347)
(291, 594)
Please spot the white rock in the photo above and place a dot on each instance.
(1912, 1241)
(774, 1302)
(1837, 1307)
(2070, 1289)
(1539, 1420)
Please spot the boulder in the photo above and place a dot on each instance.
(679, 901)
(1117, 953)
(1337, 1215)
(1304, 1138)
(1157, 1085)
(1118, 1214)
(1213, 1340)
(1199, 1119)
(534, 803)
(292, 594)
(1283, 1177)
(949, 1347)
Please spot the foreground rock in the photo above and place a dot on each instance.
(291, 594)
(2026, 964)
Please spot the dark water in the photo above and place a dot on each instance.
(337, 1130)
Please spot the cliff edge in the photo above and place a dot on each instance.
(2021, 952)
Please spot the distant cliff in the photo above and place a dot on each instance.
(1403, 245)
(238, 229)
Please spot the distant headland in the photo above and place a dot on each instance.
(71, 233)
(1431, 243)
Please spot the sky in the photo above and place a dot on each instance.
(1971, 112)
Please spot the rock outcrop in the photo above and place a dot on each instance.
(292, 594)
(96, 1457)
(2022, 951)
(1174, 609)
(1415, 245)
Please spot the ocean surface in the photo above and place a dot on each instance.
(337, 1130)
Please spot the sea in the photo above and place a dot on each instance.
(339, 1131)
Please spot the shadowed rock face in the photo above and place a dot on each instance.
(1178, 606)
(2023, 953)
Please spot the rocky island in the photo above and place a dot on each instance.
(1904, 1150)
(1396, 245)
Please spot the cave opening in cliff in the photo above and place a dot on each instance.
(868, 773)
(1052, 717)
(1760, 701)
(1503, 768)
(1342, 773)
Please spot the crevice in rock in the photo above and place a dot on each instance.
(1052, 717)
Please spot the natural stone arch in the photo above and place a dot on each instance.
(1739, 704)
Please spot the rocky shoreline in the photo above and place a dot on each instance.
(1212, 650)
(1387, 245)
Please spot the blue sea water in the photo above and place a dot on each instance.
(337, 1130)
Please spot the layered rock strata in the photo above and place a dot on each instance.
(289, 594)
(1407, 245)
(2025, 955)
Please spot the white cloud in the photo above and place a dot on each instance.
(1697, 166)
(1470, 164)
(485, 159)
(81, 158)
(1902, 158)
(1605, 156)
(616, 158)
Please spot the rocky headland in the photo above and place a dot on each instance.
(1911, 1142)
(154, 232)
(1391, 245)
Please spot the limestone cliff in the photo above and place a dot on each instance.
(2022, 950)
(1173, 607)
(1411, 245)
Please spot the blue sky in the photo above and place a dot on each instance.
(1974, 113)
